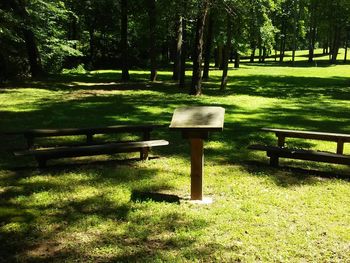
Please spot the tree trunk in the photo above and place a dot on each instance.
(3, 71)
(237, 59)
(219, 55)
(260, 53)
(232, 56)
(73, 30)
(336, 43)
(283, 40)
(312, 31)
(177, 60)
(29, 38)
(252, 56)
(183, 55)
(152, 38)
(264, 55)
(346, 47)
(208, 46)
(228, 48)
(295, 25)
(33, 53)
(124, 40)
(91, 44)
(312, 44)
(196, 88)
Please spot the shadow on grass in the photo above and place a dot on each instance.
(284, 87)
(156, 197)
(69, 216)
(307, 110)
(287, 176)
(142, 236)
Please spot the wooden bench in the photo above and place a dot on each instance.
(91, 147)
(31, 135)
(276, 152)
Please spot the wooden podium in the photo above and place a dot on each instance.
(195, 123)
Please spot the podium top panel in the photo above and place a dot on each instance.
(205, 118)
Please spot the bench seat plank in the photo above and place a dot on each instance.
(275, 152)
(326, 136)
(84, 131)
(42, 155)
(91, 149)
(30, 135)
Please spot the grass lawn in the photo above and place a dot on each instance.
(84, 209)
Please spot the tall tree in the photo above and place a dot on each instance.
(227, 51)
(312, 28)
(295, 28)
(183, 55)
(208, 44)
(152, 37)
(178, 48)
(346, 45)
(196, 87)
(19, 7)
(124, 39)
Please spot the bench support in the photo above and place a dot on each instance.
(274, 160)
(197, 161)
(340, 147)
(30, 141)
(275, 152)
(281, 140)
(89, 138)
(41, 162)
(144, 154)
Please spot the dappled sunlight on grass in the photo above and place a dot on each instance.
(82, 209)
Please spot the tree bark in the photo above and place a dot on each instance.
(208, 46)
(260, 52)
(346, 47)
(283, 40)
(295, 25)
(91, 44)
(312, 31)
(152, 38)
(312, 44)
(228, 48)
(124, 40)
(336, 43)
(252, 56)
(221, 57)
(34, 58)
(196, 87)
(177, 60)
(263, 55)
(237, 59)
(3, 71)
(218, 56)
(183, 55)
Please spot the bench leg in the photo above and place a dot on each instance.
(30, 142)
(144, 154)
(89, 138)
(274, 160)
(41, 162)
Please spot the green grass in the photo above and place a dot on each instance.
(84, 210)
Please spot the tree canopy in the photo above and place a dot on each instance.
(39, 37)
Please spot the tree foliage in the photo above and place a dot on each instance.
(67, 33)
